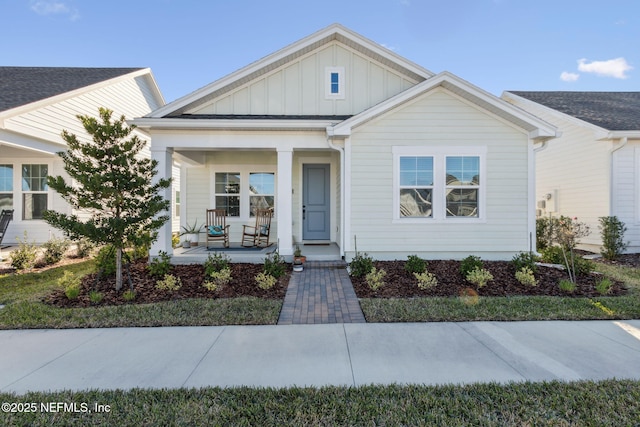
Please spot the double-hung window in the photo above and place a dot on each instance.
(6, 187)
(242, 193)
(439, 184)
(34, 191)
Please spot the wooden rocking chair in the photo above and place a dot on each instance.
(5, 218)
(216, 227)
(258, 235)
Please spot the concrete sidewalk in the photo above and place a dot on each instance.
(318, 355)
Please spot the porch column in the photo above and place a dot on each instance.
(164, 157)
(284, 201)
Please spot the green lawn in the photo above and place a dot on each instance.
(605, 403)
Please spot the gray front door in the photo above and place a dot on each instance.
(315, 202)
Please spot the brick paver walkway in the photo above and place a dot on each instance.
(322, 293)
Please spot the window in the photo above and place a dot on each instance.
(34, 191)
(6, 187)
(177, 203)
(462, 186)
(334, 83)
(416, 187)
(261, 191)
(439, 183)
(227, 192)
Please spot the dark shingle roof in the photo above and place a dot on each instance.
(24, 85)
(609, 110)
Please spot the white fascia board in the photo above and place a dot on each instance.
(470, 92)
(236, 124)
(283, 53)
(77, 92)
(619, 134)
(31, 144)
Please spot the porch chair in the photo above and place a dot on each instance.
(216, 227)
(259, 234)
(5, 218)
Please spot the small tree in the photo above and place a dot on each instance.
(567, 235)
(612, 232)
(113, 184)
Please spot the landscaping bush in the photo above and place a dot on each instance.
(71, 284)
(24, 258)
(604, 286)
(274, 265)
(545, 227)
(526, 277)
(54, 250)
(612, 232)
(479, 277)
(360, 265)
(84, 247)
(426, 280)
(106, 260)
(216, 262)
(415, 264)
(129, 295)
(95, 297)
(567, 286)
(469, 264)
(217, 279)
(554, 255)
(375, 278)
(161, 265)
(265, 281)
(169, 283)
(525, 259)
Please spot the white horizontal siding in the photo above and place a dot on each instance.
(422, 124)
(298, 88)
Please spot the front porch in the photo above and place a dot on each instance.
(237, 253)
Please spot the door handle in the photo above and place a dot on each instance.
(304, 212)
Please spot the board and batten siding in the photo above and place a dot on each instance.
(626, 191)
(575, 169)
(298, 88)
(440, 119)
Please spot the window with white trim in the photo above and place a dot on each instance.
(177, 214)
(334, 83)
(439, 184)
(242, 193)
(6, 187)
(34, 191)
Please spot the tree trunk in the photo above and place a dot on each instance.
(118, 269)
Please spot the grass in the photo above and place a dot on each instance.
(587, 403)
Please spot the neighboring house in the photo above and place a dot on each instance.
(36, 104)
(346, 139)
(593, 168)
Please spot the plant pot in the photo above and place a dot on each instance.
(300, 258)
(186, 244)
(298, 267)
(193, 238)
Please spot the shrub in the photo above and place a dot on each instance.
(604, 286)
(24, 258)
(160, 266)
(216, 262)
(169, 283)
(95, 297)
(106, 260)
(84, 247)
(545, 227)
(375, 278)
(70, 283)
(612, 232)
(72, 292)
(129, 295)
(554, 255)
(426, 280)
(360, 265)
(175, 240)
(479, 277)
(469, 264)
(525, 259)
(218, 278)
(54, 250)
(415, 264)
(567, 286)
(525, 277)
(274, 265)
(265, 281)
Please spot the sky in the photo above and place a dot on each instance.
(498, 45)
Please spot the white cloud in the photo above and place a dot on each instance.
(569, 77)
(53, 7)
(612, 68)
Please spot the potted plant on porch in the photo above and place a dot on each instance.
(297, 255)
(192, 233)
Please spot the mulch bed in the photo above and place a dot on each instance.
(192, 277)
(401, 284)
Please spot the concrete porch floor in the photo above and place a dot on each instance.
(199, 254)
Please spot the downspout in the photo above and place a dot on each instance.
(612, 189)
(342, 184)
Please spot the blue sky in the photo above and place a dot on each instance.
(580, 45)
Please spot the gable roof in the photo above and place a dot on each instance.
(536, 128)
(24, 85)
(287, 54)
(613, 111)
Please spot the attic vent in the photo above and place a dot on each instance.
(334, 83)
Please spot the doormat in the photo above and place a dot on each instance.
(317, 244)
(237, 249)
